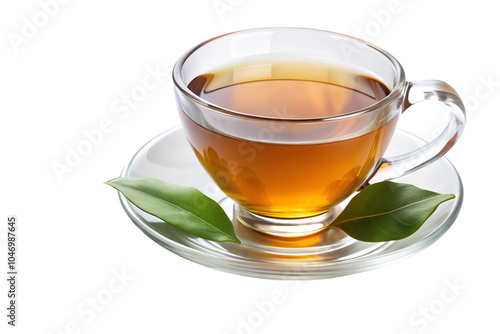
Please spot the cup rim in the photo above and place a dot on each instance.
(398, 88)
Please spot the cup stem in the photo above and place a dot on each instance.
(284, 227)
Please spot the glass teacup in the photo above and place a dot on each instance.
(290, 122)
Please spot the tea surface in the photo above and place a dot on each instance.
(307, 91)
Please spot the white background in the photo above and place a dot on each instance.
(62, 80)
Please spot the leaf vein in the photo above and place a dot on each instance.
(390, 211)
(399, 220)
(380, 228)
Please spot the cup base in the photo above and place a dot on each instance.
(288, 227)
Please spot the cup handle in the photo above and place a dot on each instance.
(401, 165)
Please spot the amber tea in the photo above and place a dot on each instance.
(289, 179)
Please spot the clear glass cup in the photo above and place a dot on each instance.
(274, 167)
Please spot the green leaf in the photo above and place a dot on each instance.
(183, 207)
(388, 211)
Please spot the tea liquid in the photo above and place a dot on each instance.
(288, 180)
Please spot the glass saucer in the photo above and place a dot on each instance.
(328, 253)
